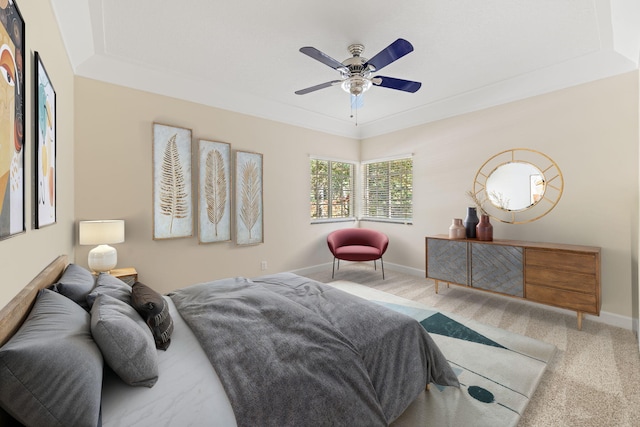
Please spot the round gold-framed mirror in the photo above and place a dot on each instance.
(519, 185)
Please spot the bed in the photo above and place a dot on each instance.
(274, 350)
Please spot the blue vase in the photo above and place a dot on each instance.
(470, 222)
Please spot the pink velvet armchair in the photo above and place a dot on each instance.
(357, 244)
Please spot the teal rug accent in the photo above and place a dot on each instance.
(498, 370)
(443, 325)
(437, 323)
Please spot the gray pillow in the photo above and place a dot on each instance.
(75, 283)
(51, 369)
(125, 341)
(106, 284)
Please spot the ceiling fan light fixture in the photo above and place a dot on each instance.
(356, 85)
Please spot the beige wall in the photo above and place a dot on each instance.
(114, 181)
(591, 131)
(24, 255)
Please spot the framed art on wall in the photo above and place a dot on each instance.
(12, 120)
(248, 198)
(214, 195)
(45, 153)
(172, 195)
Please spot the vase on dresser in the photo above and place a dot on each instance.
(470, 222)
(457, 230)
(484, 229)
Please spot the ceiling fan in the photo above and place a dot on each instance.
(356, 71)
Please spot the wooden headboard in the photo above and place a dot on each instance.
(13, 314)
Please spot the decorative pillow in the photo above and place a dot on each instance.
(106, 284)
(155, 310)
(75, 283)
(125, 341)
(51, 369)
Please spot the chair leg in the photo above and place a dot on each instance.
(382, 264)
(334, 267)
(374, 265)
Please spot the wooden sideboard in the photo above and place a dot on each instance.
(565, 276)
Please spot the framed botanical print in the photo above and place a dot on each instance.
(45, 152)
(214, 195)
(12, 121)
(172, 195)
(248, 198)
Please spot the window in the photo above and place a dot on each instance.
(388, 190)
(332, 185)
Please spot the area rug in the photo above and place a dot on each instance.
(498, 370)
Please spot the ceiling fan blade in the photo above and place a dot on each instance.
(322, 57)
(317, 87)
(398, 84)
(393, 52)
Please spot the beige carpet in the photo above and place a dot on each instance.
(594, 379)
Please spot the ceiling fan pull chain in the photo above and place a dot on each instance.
(356, 101)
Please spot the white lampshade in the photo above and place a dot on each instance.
(102, 232)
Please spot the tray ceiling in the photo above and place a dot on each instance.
(243, 55)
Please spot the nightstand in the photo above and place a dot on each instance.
(128, 275)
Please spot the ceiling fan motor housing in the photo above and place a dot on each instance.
(358, 78)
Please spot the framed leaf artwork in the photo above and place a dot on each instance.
(172, 195)
(12, 121)
(214, 195)
(45, 160)
(248, 198)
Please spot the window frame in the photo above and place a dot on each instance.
(353, 190)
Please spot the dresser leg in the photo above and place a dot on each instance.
(436, 286)
(580, 316)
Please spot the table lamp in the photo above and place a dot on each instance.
(102, 232)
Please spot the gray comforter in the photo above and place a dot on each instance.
(290, 351)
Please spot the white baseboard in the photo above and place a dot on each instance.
(406, 270)
(606, 318)
(390, 266)
(613, 319)
(314, 269)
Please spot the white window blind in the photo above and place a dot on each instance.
(388, 190)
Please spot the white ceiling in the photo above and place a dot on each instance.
(242, 55)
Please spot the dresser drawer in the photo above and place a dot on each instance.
(567, 280)
(560, 298)
(564, 261)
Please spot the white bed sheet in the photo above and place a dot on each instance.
(188, 391)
